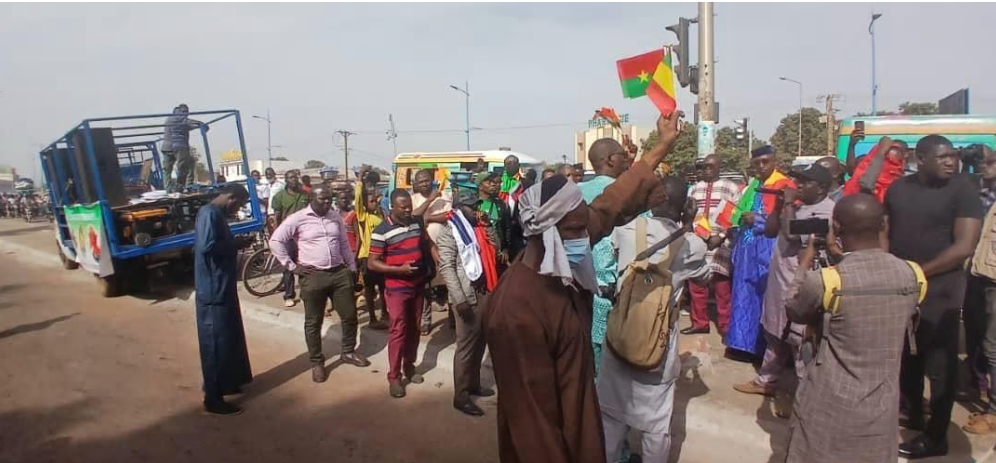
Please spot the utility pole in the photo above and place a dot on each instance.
(466, 93)
(345, 151)
(871, 31)
(706, 76)
(831, 121)
(269, 140)
(392, 134)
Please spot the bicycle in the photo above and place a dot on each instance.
(262, 274)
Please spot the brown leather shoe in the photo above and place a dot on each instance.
(355, 359)
(318, 373)
(751, 387)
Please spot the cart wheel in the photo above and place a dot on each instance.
(110, 286)
(67, 263)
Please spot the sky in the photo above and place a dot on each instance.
(320, 68)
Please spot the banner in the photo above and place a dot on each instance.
(86, 226)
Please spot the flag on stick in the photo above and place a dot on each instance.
(661, 87)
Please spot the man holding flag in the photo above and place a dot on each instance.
(711, 193)
(752, 251)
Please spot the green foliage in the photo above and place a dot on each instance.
(814, 136)
(313, 164)
(733, 152)
(685, 150)
(909, 108)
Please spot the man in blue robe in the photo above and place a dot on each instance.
(222, 339)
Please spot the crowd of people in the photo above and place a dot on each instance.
(857, 283)
(14, 206)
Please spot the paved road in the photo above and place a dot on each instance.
(87, 379)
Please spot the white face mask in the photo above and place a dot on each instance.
(577, 251)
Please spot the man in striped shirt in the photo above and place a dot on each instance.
(396, 251)
(709, 193)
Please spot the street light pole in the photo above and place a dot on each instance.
(466, 94)
(799, 152)
(871, 31)
(269, 140)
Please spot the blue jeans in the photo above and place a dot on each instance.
(288, 283)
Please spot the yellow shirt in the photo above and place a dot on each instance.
(366, 222)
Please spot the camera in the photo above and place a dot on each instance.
(972, 155)
(812, 226)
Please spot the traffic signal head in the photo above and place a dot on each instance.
(741, 128)
(682, 68)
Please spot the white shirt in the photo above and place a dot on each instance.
(273, 189)
(644, 399)
(443, 203)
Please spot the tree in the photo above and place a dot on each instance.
(682, 157)
(281, 158)
(313, 164)
(814, 136)
(732, 151)
(910, 108)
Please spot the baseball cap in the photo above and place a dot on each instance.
(815, 172)
(466, 198)
(481, 177)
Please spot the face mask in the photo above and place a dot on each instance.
(577, 250)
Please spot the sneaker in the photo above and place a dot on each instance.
(220, 407)
(289, 303)
(980, 423)
(751, 387)
(396, 389)
(318, 373)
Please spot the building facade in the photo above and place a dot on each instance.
(599, 129)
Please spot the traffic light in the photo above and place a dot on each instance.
(682, 69)
(741, 129)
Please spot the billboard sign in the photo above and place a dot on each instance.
(955, 103)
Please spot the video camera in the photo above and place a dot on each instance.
(972, 155)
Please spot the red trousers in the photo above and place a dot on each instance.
(700, 300)
(402, 342)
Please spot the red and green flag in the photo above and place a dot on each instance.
(649, 74)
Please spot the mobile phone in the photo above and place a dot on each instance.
(859, 125)
(811, 226)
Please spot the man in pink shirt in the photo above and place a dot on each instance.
(326, 266)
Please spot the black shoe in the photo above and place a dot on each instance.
(396, 389)
(483, 392)
(468, 408)
(691, 330)
(220, 407)
(922, 447)
(415, 378)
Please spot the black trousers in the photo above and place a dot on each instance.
(316, 290)
(937, 358)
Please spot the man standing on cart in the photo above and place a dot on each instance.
(176, 148)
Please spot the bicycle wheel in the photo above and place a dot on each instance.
(262, 273)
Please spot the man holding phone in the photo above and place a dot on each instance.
(397, 251)
(782, 338)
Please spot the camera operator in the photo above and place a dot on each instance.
(782, 338)
(847, 405)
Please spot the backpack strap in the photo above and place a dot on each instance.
(921, 280)
(641, 236)
(831, 289)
